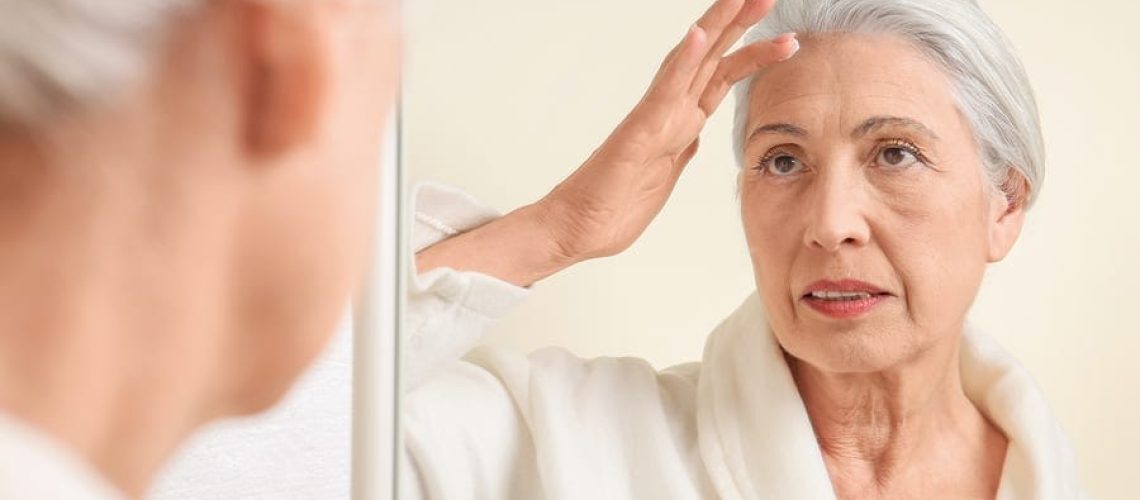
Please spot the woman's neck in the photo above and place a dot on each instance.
(102, 342)
(78, 365)
(910, 429)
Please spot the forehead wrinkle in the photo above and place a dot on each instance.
(837, 90)
(872, 119)
(763, 106)
(784, 126)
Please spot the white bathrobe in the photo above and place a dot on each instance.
(36, 465)
(485, 423)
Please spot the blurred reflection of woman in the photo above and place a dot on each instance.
(186, 197)
(883, 167)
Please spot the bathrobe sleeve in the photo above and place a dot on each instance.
(461, 429)
(491, 423)
(448, 310)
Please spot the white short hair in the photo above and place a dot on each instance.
(990, 85)
(56, 55)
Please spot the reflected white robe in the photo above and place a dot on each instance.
(488, 423)
(36, 465)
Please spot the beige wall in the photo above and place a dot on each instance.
(505, 97)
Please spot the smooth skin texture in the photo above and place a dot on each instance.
(182, 252)
(846, 122)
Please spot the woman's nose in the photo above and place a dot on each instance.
(837, 212)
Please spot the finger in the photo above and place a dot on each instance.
(750, 14)
(744, 63)
(719, 15)
(678, 68)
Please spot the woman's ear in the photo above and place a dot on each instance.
(1007, 214)
(284, 68)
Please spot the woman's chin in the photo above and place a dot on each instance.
(855, 347)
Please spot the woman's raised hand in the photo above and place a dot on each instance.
(605, 205)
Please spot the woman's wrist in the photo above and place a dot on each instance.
(521, 248)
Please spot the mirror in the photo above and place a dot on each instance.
(334, 435)
(201, 249)
(504, 100)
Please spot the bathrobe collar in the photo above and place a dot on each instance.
(34, 465)
(757, 441)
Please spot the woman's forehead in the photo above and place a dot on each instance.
(844, 80)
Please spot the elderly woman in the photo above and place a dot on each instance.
(882, 168)
(186, 196)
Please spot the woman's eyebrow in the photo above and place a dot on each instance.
(869, 125)
(877, 122)
(777, 128)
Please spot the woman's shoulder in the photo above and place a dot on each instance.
(557, 376)
(560, 366)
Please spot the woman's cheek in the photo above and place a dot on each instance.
(773, 240)
(908, 195)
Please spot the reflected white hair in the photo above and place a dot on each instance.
(990, 85)
(56, 55)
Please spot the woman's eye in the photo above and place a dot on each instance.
(782, 165)
(896, 157)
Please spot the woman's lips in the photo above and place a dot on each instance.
(847, 308)
(844, 299)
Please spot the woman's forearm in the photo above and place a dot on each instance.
(607, 203)
(517, 248)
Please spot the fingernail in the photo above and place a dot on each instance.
(795, 48)
(695, 32)
(784, 38)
